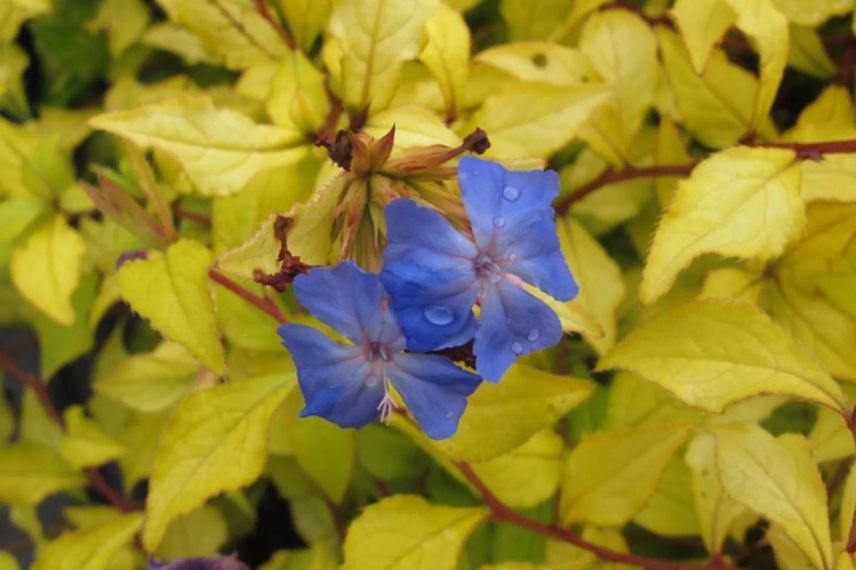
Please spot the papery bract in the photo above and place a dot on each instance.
(348, 384)
(435, 275)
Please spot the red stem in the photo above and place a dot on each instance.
(264, 11)
(499, 511)
(262, 303)
(613, 176)
(96, 481)
(180, 212)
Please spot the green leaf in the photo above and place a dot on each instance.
(715, 352)
(406, 533)
(777, 478)
(90, 549)
(85, 443)
(610, 476)
(17, 214)
(171, 290)
(447, 54)
(532, 20)
(376, 37)
(214, 441)
(501, 417)
(30, 472)
(221, 150)
(671, 510)
(202, 532)
(812, 13)
(8, 562)
(152, 381)
(716, 510)
(518, 129)
(756, 213)
(46, 269)
(326, 453)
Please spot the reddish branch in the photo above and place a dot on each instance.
(263, 303)
(264, 11)
(96, 481)
(499, 511)
(615, 176)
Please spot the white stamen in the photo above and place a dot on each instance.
(387, 405)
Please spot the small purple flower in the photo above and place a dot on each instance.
(435, 275)
(221, 563)
(349, 384)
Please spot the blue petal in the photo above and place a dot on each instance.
(434, 389)
(512, 323)
(350, 300)
(338, 381)
(428, 272)
(513, 221)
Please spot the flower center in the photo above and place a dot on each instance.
(379, 351)
(486, 268)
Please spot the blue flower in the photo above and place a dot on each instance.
(348, 384)
(435, 275)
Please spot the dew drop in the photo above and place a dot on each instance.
(534, 334)
(448, 415)
(499, 221)
(494, 278)
(516, 347)
(439, 315)
(511, 193)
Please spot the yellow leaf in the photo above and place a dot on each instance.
(30, 472)
(141, 434)
(326, 452)
(123, 20)
(447, 54)
(838, 285)
(171, 291)
(15, 12)
(573, 316)
(202, 532)
(306, 19)
(763, 23)
(8, 562)
(532, 20)
(808, 54)
(716, 510)
(623, 51)
(375, 38)
(152, 381)
(717, 105)
(503, 416)
(830, 438)
(178, 40)
(526, 476)
(832, 178)
(812, 13)
(90, 549)
(260, 252)
(818, 325)
(519, 129)
(713, 353)
(543, 62)
(298, 100)
(407, 533)
(610, 476)
(778, 479)
(702, 24)
(671, 149)
(635, 402)
(233, 31)
(741, 202)
(46, 269)
(220, 149)
(848, 504)
(671, 511)
(733, 283)
(86, 444)
(599, 277)
(415, 126)
(829, 117)
(214, 441)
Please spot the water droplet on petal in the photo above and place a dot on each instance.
(439, 315)
(512, 256)
(516, 347)
(534, 334)
(511, 193)
(494, 278)
(499, 221)
(448, 415)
